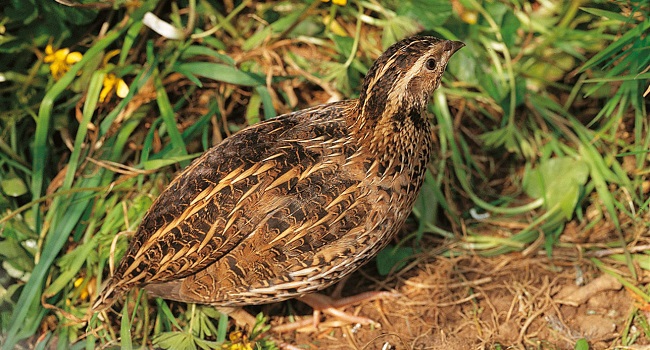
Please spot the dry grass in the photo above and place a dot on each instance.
(475, 302)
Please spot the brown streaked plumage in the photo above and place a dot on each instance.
(293, 204)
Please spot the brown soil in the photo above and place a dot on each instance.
(471, 302)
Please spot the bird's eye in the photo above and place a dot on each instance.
(431, 64)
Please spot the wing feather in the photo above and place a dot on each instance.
(212, 206)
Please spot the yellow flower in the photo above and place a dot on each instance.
(334, 26)
(469, 17)
(112, 82)
(60, 60)
(337, 2)
(238, 341)
(466, 15)
(108, 56)
(240, 346)
(85, 290)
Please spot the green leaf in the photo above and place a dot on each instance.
(163, 310)
(67, 14)
(463, 67)
(582, 344)
(14, 254)
(509, 28)
(175, 340)
(125, 330)
(393, 258)
(197, 50)
(168, 116)
(490, 85)
(429, 13)
(253, 109)
(257, 39)
(267, 102)
(606, 14)
(21, 10)
(641, 259)
(160, 163)
(428, 204)
(222, 327)
(221, 72)
(506, 137)
(610, 51)
(13, 186)
(398, 28)
(558, 181)
(70, 265)
(343, 44)
(282, 24)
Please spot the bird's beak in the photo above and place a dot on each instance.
(453, 46)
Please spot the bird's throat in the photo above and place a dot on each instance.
(397, 138)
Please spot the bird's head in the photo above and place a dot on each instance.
(400, 82)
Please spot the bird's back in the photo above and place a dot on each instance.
(277, 210)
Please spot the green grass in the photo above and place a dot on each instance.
(541, 121)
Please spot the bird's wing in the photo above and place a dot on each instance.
(214, 204)
(301, 237)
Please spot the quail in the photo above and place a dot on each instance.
(293, 204)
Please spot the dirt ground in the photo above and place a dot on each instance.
(469, 302)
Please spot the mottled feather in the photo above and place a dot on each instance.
(293, 204)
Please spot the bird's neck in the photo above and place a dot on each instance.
(379, 117)
(395, 133)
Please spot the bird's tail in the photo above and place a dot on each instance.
(110, 293)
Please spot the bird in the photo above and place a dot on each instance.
(291, 205)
